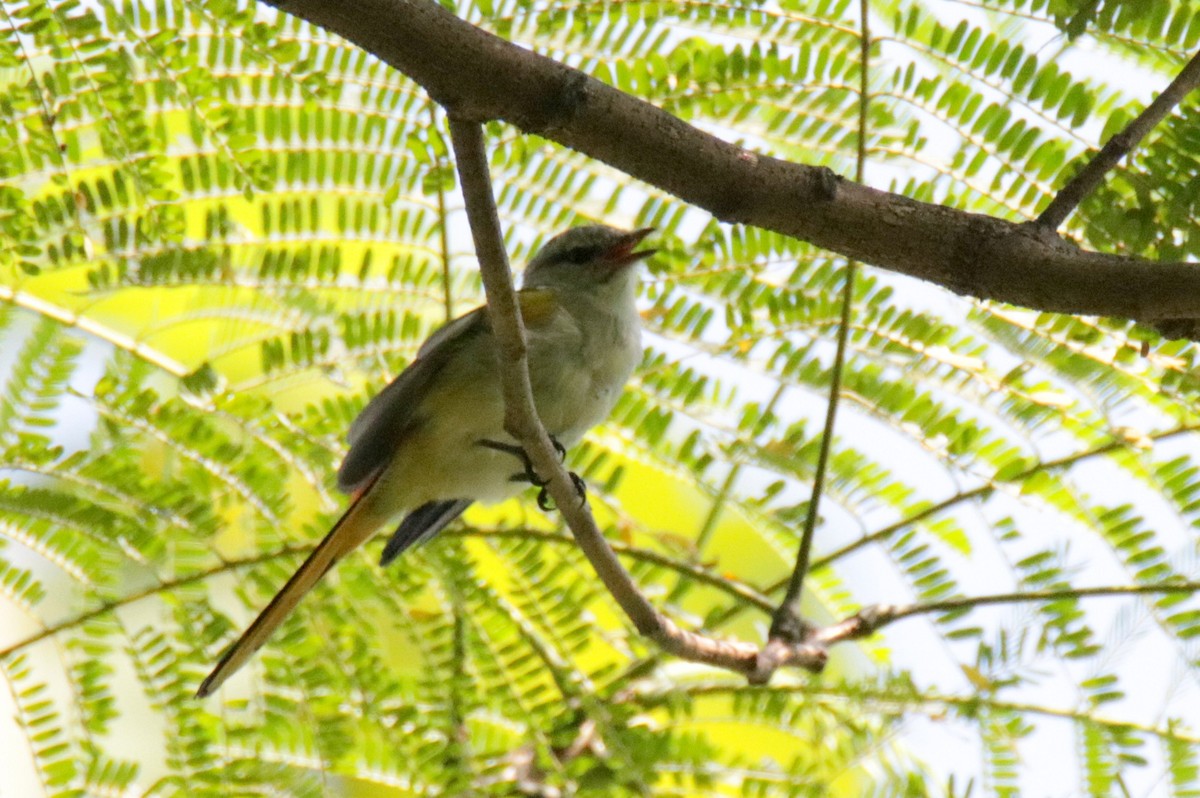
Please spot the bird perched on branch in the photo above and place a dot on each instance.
(433, 441)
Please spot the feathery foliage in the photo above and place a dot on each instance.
(222, 230)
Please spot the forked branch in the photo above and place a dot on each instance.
(1116, 148)
(787, 624)
(522, 423)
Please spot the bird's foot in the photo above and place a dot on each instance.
(543, 498)
(530, 475)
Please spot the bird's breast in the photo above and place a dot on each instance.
(579, 375)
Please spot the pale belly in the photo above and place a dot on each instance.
(442, 459)
(576, 382)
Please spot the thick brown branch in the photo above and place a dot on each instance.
(1119, 146)
(480, 76)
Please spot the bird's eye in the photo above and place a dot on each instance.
(581, 255)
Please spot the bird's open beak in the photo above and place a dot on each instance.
(623, 254)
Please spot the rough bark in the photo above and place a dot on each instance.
(479, 76)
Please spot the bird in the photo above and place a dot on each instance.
(432, 442)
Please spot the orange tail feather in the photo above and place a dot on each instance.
(350, 532)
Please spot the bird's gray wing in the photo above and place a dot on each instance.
(389, 416)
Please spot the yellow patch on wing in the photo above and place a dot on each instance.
(537, 306)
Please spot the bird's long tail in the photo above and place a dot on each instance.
(350, 532)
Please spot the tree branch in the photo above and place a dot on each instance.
(722, 618)
(1119, 146)
(787, 622)
(522, 423)
(886, 614)
(153, 590)
(693, 573)
(653, 694)
(985, 489)
(479, 76)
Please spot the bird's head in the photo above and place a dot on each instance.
(586, 256)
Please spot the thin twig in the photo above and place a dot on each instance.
(689, 573)
(1116, 148)
(870, 620)
(888, 614)
(985, 489)
(161, 587)
(652, 693)
(929, 511)
(443, 232)
(522, 423)
(787, 623)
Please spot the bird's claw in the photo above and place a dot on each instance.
(530, 476)
(580, 485)
(543, 498)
